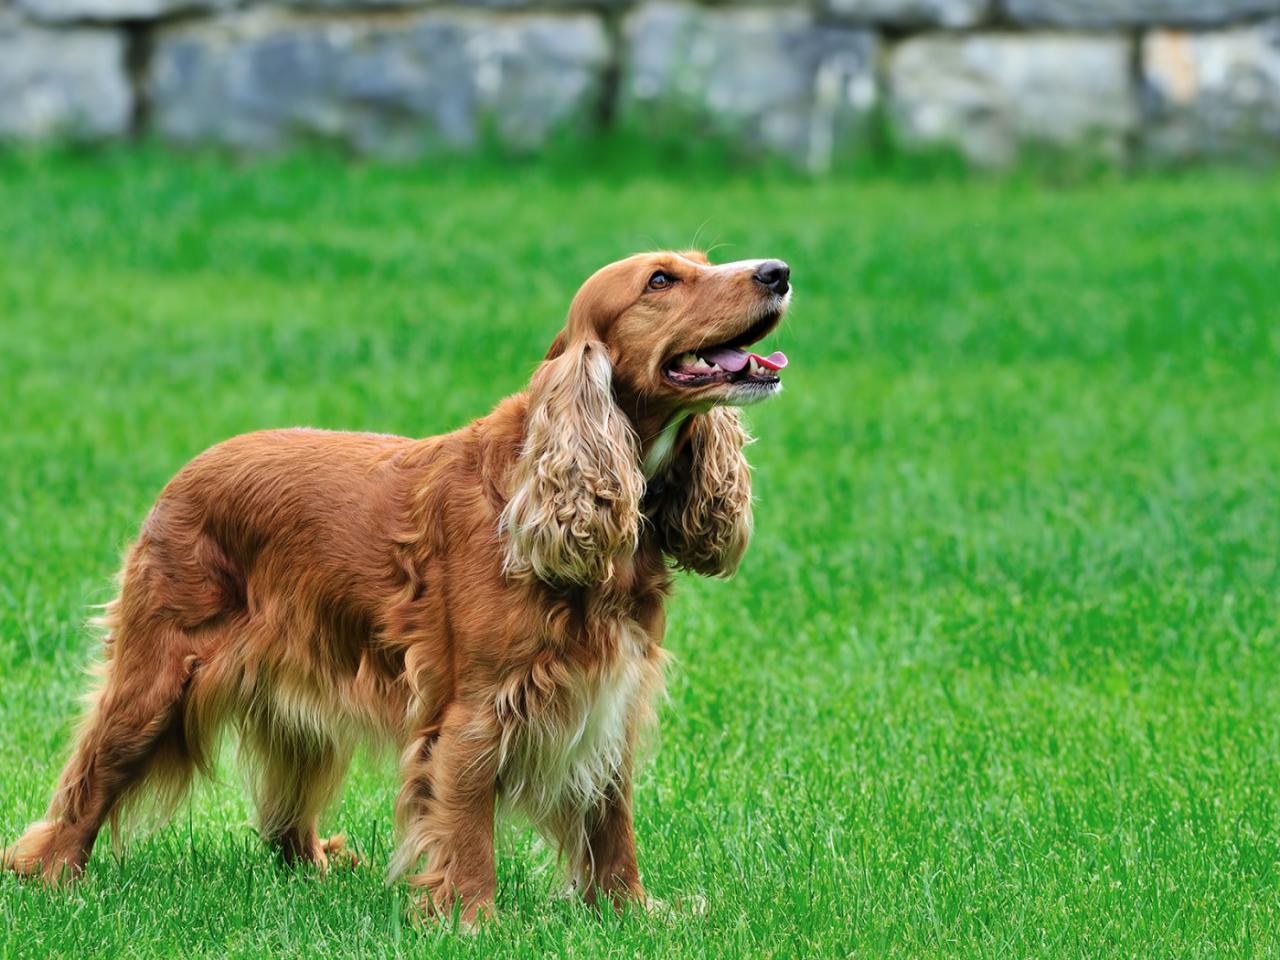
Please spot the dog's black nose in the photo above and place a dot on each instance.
(774, 274)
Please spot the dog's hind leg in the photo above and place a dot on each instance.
(133, 733)
(296, 774)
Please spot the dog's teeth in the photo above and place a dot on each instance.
(753, 368)
(688, 360)
(715, 366)
(700, 364)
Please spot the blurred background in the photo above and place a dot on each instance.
(998, 675)
(1167, 79)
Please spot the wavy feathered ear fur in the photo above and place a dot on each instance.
(575, 501)
(705, 518)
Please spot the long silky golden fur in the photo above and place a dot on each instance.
(705, 523)
(576, 502)
(490, 601)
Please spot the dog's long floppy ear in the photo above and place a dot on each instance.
(575, 500)
(704, 518)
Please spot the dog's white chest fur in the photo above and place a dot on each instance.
(559, 757)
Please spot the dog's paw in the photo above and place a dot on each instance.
(309, 850)
(447, 913)
(33, 855)
(333, 851)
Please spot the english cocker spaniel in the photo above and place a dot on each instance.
(490, 600)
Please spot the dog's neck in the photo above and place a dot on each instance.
(656, 453)
(659, 428)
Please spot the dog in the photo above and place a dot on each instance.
(491, 601)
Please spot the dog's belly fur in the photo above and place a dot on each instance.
(559, 751)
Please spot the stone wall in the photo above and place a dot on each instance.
(1173, 78)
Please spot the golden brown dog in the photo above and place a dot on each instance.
(490, 600)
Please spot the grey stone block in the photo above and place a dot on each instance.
(64, 11)
(62, 83)
(1212, 93)
(1110, 13)
(340, 7)
(387, 84)
(990, 93)
(912, 13)
(771, 75)
(542, 5)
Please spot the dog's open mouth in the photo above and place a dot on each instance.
(726, 363)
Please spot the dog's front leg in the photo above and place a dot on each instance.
(609, 866)
(446, 805)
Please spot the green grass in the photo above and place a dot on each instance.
(1000, 675)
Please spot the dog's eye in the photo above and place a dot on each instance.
(661, 280)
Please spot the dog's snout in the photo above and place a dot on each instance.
(775, 275)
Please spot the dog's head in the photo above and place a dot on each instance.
(650, 340)
(677, 329)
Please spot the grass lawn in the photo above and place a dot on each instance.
(1000, 675)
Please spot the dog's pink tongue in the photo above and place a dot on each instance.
(774, 361)
(733, 359)
(727, 358)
